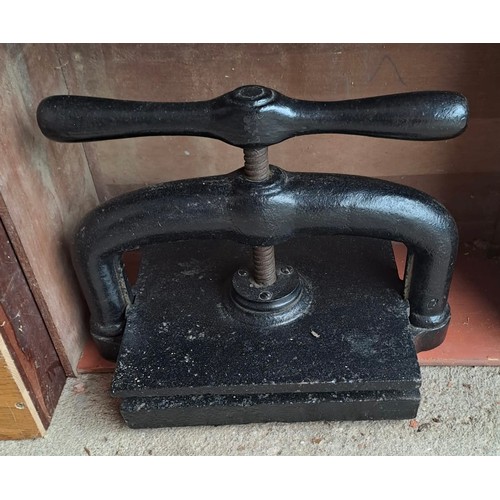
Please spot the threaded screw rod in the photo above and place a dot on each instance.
(256, 169)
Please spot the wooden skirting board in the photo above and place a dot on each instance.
(18, 416)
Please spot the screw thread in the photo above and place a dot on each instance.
(257, 169)
(264, 266)
(256, 164)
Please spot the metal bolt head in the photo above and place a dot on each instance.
(19, 406)
(253, 95)
(432, 303)
(242, 272)
(265, 295)
(287, 270)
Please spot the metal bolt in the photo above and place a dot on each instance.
(265, 295)
(287, 270)
(252, 92)
(242, 272)
(19, 406)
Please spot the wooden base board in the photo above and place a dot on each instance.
(92, 362)
(473, 337)
(18, 416)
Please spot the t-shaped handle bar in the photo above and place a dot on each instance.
(255, 117)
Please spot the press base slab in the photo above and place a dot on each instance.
(179, 411)
(189, 357)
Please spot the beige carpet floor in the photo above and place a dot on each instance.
(458, 415)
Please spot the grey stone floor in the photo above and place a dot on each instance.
(459, 415)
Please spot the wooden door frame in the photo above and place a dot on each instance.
(31, 372)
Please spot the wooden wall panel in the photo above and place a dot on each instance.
(45, 188)
(179, 72)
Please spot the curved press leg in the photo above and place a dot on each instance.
(354, 205)
(165, 212)
(267, 213)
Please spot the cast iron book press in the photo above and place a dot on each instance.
(215, 331)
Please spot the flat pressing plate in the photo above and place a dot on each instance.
(185, 338)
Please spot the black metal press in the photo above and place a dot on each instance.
(265, 295)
